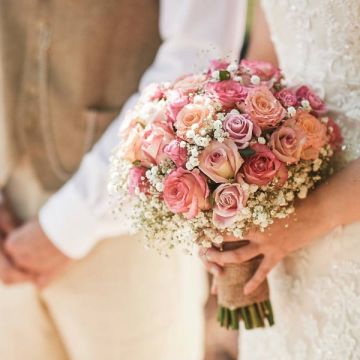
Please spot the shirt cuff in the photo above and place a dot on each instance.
(74, 228)
(68, 223)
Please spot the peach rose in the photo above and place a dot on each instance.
(131, 136)
(315, 132)
(229, 200)
(220, 161)
(188, 116)
(262, 167)
(186, 192)
(287, 142)
(156, 137)
(264, 109)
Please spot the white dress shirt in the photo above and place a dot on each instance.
(193, 32)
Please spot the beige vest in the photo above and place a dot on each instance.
(68, 66)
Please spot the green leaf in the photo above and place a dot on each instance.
(248, 152)
(224, 75)
(137, 163)
(277, 86)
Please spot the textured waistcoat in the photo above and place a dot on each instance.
(68, 68)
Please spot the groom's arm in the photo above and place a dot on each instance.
(78, 215)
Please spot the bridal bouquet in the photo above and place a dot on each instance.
(214, 154)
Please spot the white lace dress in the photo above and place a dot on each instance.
(316, 291)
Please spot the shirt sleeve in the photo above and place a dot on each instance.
(78, 215)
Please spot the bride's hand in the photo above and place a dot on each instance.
(331, 205)
(280, 239)
(273, 245)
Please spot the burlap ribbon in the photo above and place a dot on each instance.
(232, 281)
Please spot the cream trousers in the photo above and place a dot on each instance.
(119, 303)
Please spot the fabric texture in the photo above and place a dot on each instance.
(316, 291)
(120, 302)
(190, 41)
(68, 76)
(109, 306)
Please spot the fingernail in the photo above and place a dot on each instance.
(208, 256)
(246, 290)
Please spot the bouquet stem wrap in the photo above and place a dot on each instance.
(254, 309)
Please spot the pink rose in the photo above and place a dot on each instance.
(152, 92)
(305, 93)
(266, 71)
(335, 137)
(218, 65)
(186, 192)
(229, 200)
(156, 136)
(190, 83)
(176, 153)
(228, 92)
(220, 161)
(263, 108)
(131, 136)
(240, 128)
(287, 142)
(177, 101)
(315, 132)
(137, 180)
(156, 116)
(188, 116)
(262, 167)
(287, 97)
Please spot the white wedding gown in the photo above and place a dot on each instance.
(316, 291)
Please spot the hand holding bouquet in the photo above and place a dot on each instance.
(216, 154)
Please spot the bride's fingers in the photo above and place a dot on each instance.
(259, 276)
(214, 287)
(237, 256)
(211, 267)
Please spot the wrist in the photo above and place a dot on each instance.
(311, 221)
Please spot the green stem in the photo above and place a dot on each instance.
(261, 310)
(253, 316)
(245, 318)
(249, 319)
(269, 312)
(235, 319)
(219, 315)
(226, 319)
(222, 316)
